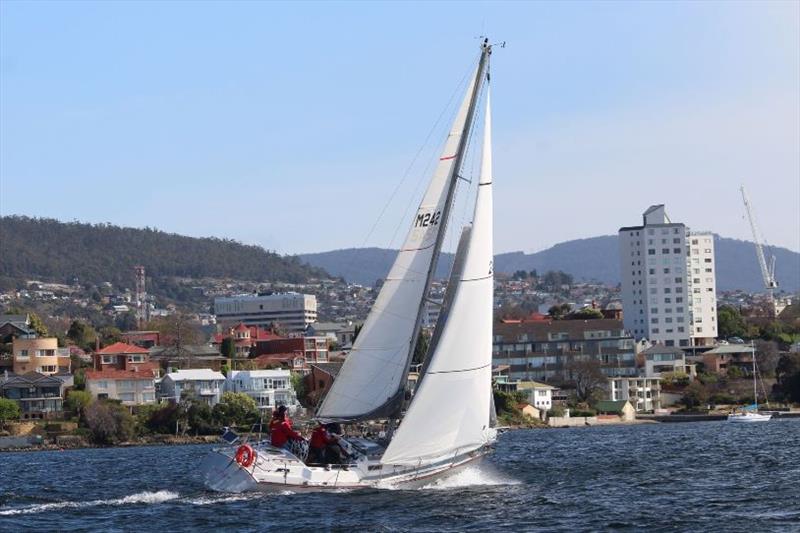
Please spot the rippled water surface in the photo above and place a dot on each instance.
(708, 476)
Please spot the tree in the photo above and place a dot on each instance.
(587, 313)
(9, 410)
(559, 311)
(82, 334)
(421, 348)
(228, 348)
(109, 423)
(356, 331)
(37, 325)
(236, 408)
(695, 395)
(587, 376)
(788, 377)
(110, 335)
(176, 330)
(767, 355)
(299, 385)
(730, 322)
(77, 401)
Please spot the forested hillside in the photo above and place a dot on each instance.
(55, 251)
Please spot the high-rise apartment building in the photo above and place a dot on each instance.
(292, 311)
(668, 281)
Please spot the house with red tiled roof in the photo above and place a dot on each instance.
(245, 338)
(131, 387)
(123, 356)
(293, 361)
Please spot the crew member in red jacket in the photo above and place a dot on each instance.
(280, 429)
(324, 448)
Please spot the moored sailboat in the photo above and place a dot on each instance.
(445, 425)
(750, 413)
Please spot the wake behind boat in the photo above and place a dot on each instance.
(446, 423)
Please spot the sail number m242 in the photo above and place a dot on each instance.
(427, 219)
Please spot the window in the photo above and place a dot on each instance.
(102, 384)
(654, 310)
(700, 329)
(696, 280)
(679, 290)
(676, 240)
(694, 241)
(696, 291)
(48, 368)
(681, 330)
(668, 310)
(653, 290)
(652, 271)
(707, 260)
(666, 270)
(655, 331)
(651, 251)
(127, 397)
(108, 359)
(654, 321)
(676, 250)
(667, 290)
(665, 250)
(678, 280)
(668, 320)
(667, 300)
(709, 289)
(679, 309)
(679, 299)
(708, 270)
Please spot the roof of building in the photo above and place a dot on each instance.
(14, 319)
(731, 349)
(193, 374)
(575, 329)
(332, 369)
(610, 406)
(114, 374)
(121, 347)
(660, 348)
(241, 327)
(270, 373)
(523, 385)
(186, 350)
(31, 378)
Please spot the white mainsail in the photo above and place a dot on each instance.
(370, 382)
(449, 413)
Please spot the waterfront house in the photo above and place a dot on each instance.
(659, 358)
(38, 395)
(313, 349)
(644, 393)
(722, 358)
(187, 356)
(130, 387)
(202, 383)
(269, 388)
(12, 326)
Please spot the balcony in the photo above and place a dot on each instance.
(208, 392)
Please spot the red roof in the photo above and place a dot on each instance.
(241, 327)
(113, 373)
(121, 347)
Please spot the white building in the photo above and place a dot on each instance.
(643, 393)
(292, 311)
(269, 388)
(203, 383)
(659, 359)
(668, 281)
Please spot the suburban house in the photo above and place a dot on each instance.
(121, 356)
(39, 354)
(313, 349)
(12, 326)
(540, 395)
(659, 358)
(187, 356)
(644, 393)
(320, 378)
(342, 333)
(38, 395)
(244, 339)
(131, 387)
(619, 408)
(269, 388)
(143, 339)
(722, 358)
(292, 361)
(202, 383)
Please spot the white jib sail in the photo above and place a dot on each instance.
(449, 414)
(374, 369)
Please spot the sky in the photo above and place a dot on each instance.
(306, 127)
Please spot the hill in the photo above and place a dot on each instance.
(61, 252)
(596, 258)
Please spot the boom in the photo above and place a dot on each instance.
(767, 271)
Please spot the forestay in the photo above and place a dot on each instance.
(449, 413)
(370, 383)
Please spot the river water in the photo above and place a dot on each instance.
(705, 476)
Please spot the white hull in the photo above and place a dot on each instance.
(748, 418)
(277, 470)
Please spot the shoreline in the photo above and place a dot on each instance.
(155, 440)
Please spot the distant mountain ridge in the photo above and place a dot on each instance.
(595, 258)
(40, 248)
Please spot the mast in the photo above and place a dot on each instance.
(755, 390)
(455, 175)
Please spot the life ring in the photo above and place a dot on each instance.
(245, 455)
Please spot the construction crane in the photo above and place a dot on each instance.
(767, 270)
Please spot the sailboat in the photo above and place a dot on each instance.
(750, 413)
(445, 424)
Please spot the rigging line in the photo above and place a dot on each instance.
(434, 155)
(457, 370)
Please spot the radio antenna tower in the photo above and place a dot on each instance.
(141, 295)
